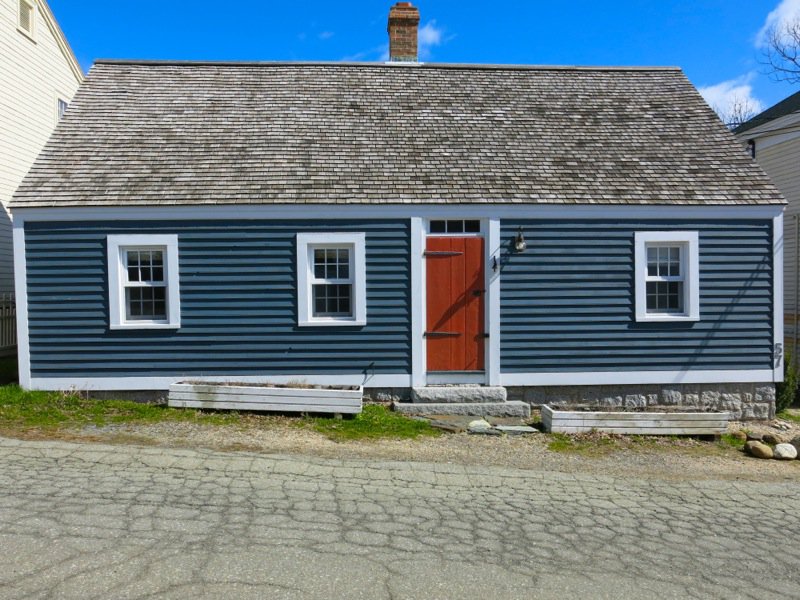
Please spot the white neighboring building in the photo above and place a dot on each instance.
(773, 139)
(39, 75)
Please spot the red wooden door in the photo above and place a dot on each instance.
(455, 311)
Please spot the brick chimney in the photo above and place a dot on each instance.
(403, 26)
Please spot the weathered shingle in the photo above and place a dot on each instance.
(260, 133)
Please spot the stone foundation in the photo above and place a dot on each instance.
(747, 401)
(387, 394)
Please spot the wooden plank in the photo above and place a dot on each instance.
(638, 416)
(641, 424)
(262, 390)
(264, 406)
(271, 398)
(639, 431)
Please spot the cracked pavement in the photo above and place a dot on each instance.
(95, 521)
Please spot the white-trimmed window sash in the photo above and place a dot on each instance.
(686, 277)
(143, 282)
(331, 290)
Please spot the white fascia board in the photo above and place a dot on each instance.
(163, 383)
(777, 296)
(21, 300)
(637, 377)
(418, 297)
(329, 212)
(493, 242)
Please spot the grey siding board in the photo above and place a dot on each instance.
(567, 303)
(238, 303)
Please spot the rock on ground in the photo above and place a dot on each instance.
(758, 449)
(785, 452)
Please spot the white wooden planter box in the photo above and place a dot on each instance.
(216, 396)
(636, 423)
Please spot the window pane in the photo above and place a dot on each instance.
(145, 265)
(664, 261)
(134, 302)
(332, 263)
(438, 227)
(455, 227)
(472, 226)
(319, 264)
(343, 258)
(332, 300)
(665, 296)
(146, 303)
(132, 258)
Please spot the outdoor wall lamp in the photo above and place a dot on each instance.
(519, 242)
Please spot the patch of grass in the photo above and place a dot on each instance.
(789, 415)
(597, 444)
(374, 422)
(54, 410)
(731, 441)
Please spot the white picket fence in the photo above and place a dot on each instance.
(8, 324)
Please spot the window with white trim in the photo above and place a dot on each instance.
(62, 106)
(331, 275)
(26, 16)
(667, 276)
(143, 282)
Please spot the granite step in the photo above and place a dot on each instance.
(476, 409)
(461, 394)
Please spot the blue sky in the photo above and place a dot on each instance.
(716, 42)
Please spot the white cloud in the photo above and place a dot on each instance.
(429, 36)
(326, 35)
(724, 97)
(785, 12)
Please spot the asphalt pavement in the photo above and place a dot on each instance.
(115, 522)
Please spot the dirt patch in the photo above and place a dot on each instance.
(665, 458)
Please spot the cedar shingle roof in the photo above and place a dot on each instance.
(140, 133)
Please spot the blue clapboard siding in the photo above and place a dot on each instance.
(238, 303)
(568, 300)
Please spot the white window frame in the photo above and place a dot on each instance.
(117, 276)
(31, 33)
(690, 267)
(59, 115)
(306, 244)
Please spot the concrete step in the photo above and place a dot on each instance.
(439, 394)
(476, 409)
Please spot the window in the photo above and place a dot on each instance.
(455, 226)
(62, 108)
(26, 17)
(143, 282)
(331, 279)
(667, 276)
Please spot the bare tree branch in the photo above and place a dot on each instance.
(740, 110)
(781, 52)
